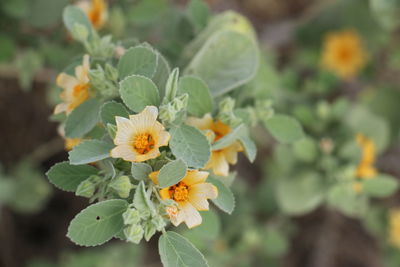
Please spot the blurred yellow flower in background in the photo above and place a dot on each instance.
(96, 11)
(75, 88)
(394, 227)
(215, 130)
(343, 53)
(139, 137)
(365, 168)
(190, 194)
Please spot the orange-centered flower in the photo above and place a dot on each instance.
(190, 195)
(75, 88)
(139, 137)
(394, 227)
(343, 53)
(365, 168)
(215, 130)
(95, 10)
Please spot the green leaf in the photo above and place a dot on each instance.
(177, 251)
(305, 149)
(299, 194)
(276, 244)
(225, 200)
(138, 60)
(72, 16)
(162, 73)
(140, 171)
(137, 92)
(111, 109)
(82, 119)
(172, 173)
(171, 87)
(227, 60)
(230, 138)
(141, 200)
(380, 186)
(250, 149)
(97, 223)
(284, 128)
(67, 177)
(190, 145)
(346, 200)
(90, 151)
(199, 14)
(207, 231)
(200, 100)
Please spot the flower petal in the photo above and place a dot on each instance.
(218, 164)
(149, 155)
(199, 193)
(125, 131)
(163, 138)
(123, 151)
(66, 81)
(189, 215)
(194, 177)
(204, 123)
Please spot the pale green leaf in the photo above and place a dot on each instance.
(140, 170)
(142, 201)
(250, 149)
(82, 119)
(177, 251)
(284, 128)
(225, 200)
(190, 145)
(72, 16)
(172, 173)
(380, 186)
(226, 61)
(200, 100)
(230, 138)
(111, 109)
(137, 92)
(138, 60)
(67, 177)
(90, 151)
(98, 223)
(162, 73)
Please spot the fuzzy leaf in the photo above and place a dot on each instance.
(111, 109)
(98, 223)
(67, 177)
(177, 251)
(380, 186)
(140, 171)
(225, 200)
(82, 119)
(200, 100)
(72, 16)
(284, 128)
(172, 173)
(190, 145)
(137, 92)
(90, 151)
(138, 60)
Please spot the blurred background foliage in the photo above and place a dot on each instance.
(295, 207)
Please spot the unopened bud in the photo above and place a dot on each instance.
(86, 189)
(131, 216)
(134, 233)
(122, 185)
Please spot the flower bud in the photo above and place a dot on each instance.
(122, 185)
(131, 216)
(80, 32)
(86, 189)
(111, 72)
(134, 233)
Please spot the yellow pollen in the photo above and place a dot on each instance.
(179, 192)
(143, 143)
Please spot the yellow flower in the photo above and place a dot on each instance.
(343, 53)
(215, 130)
(394, 227)
(190, 194)
(139, 137)
(365, 168)
(70, 143)
(76, 89)
(95, 10)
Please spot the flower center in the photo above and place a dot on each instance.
(143, 143)
(179, 192)
(344, 54)
(79, 93)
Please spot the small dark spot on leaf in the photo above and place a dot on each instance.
(98, 218)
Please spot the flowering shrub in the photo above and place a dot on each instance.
(153, 146)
